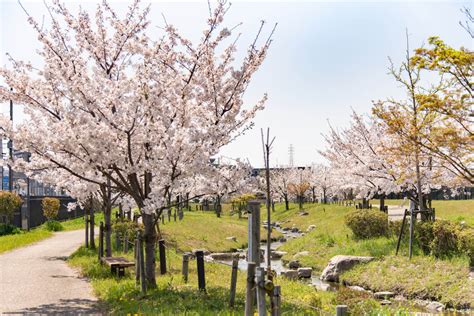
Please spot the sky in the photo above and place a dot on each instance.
(326, 58)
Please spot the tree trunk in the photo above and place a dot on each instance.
(108, 229)
(300, 201)
(382, 203)
(287, 206)
(92, 225)
(325, 200)
(150, 246)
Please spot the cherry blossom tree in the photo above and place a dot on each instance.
(111, 104)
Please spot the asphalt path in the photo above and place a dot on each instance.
(37, 280)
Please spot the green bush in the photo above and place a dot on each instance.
(445, 239)
(424, 236)
(125, 227)
(7, 229)
(50, 207)
(367, 223)
(54, 226)
(9, 203)
(466, 243)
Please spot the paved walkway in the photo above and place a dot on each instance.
(36, 279)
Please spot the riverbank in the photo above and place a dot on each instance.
(424, 277)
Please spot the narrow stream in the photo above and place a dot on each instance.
(277, 264)
(279, 267)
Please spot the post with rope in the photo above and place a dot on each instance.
(185, 267)
(233, 281)
(341, 310)
(276, 301)
(137, 258)
(249, 299)
(260, 278)
(200, 270)
(161, 246)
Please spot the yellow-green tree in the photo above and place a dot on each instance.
(451, 139)
(50, 207)
(407, 122)
(9, 203)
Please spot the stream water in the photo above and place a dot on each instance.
(278, 266)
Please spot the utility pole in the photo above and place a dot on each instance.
(10, 150)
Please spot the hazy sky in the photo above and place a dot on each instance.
(326, 58)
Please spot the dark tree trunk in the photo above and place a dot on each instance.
(300, 201)
(150, 246)
(314, 194)
(287, 205)
(325, 199)
(382, 203)
(107, 209)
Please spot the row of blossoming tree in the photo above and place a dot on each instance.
(113, 112)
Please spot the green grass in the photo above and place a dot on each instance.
(25, 238)
(174, 297)
(78, 223)
(421, 277)
(454, 210)
(446, 280)
(205, 230)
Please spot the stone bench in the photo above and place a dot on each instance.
(117, 264)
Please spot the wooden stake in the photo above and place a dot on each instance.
(260, 276)
(233, 281)
(185, 267)
(250, 293)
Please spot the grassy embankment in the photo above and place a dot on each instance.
(453, 210)
(423, 277)
(10, 242)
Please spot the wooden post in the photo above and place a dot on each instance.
(412, 212)
(401, 231)
(260, 276)
(117, 241)
(341, 310)
(276, 301)
(200, 270)
(254, 232)
(161, 246)
(137, 259)
(250, 293)
(86, 219)
(185, 267)
(125, 243)
(101, 240)
(233, 281)
(142, 266)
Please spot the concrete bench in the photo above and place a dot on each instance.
(117, 264)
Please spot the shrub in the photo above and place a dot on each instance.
(54, 226)
(466, 243)
(126, 227)
(367, 223)
(445, 240)
(424, 236)
(50, 207)
(7, 229)
(9, 203)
